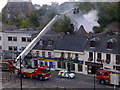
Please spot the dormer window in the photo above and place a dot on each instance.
(50, 42)
(92, 43)
(41, 42)
(109, 45)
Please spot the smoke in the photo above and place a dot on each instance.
(88, 20)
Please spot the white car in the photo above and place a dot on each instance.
(64, 73)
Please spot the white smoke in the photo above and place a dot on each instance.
(88, 20)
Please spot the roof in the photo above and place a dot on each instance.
(101, 45)
(81, 31)
(9, 27)
(71, 43)
(46, 45)
(17, 4)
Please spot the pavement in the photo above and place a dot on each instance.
(80, 81)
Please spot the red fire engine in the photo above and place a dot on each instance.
(108, 76)
(41, 73)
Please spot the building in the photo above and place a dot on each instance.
(44, 51)
(102, 52)
(18, 8)
(69, 53)
(12, 39)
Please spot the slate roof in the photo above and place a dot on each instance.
(101, 45)
(9, 27)
(17, 4)
(46, 39)
(72, 43)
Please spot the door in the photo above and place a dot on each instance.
(68, 67)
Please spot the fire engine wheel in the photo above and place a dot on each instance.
(24, 75)
(40, 78)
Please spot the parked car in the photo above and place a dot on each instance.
(64, 73)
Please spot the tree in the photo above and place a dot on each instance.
(25, 23)
(62, 25)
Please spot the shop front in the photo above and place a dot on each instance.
(39, 61)
(69, 65)
(93, 67)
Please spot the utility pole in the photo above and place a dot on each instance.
(20, 74)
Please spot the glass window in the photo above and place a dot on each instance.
(92, 43)
(15, 48)
(23, 39)
(0, 37)
(50, 42)
(10, 48)
(41, 42)
(79, 67)
(28, 39)
(59, 64)
(72, 66)
(37, 53)
(105, 74)
(109, 45)
(0, 47)
(63, 65)
(108, 56)
(91, 54)
(99, 73)
(76, 56)
(9, 38)
(14, 38)
(99, 55)
(117, 59)
(49, 54)
(43, 54)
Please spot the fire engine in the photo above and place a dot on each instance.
(7, 65)
(108, 76)
(42, 72)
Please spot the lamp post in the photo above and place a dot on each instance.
(94, 70)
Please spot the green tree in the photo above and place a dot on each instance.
(62, 25)
(25, 23)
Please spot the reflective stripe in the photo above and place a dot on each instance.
(63, 74)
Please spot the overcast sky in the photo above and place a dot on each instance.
(41, 2)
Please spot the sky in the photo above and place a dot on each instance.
(40, 2)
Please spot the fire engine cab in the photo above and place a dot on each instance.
(41, 73)
(108, 76)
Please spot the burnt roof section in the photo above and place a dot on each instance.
(71, 43)
(81, 31)
(101, 45)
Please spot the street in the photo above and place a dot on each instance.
(80, 81)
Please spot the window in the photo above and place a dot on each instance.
(15, 48)
(50, 42)
(59, 64)
(49, 54)
(99, 73)
(109, 45)
(9, 16)
(91, 54)
(41, 42)
(72, 66)
(10, 48)
(23, 39)
(69, 54)
(37, 53)
(9, 38)
(0, 37)
(117, 59)
(62, 55)
(43, 54)
(108, 57)
(14, 38)
(105, 74)
(0, 47)
(63, 65)
(76, 56)
(28, 39)
(79, 67)
(92, 43)
(99, 57)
